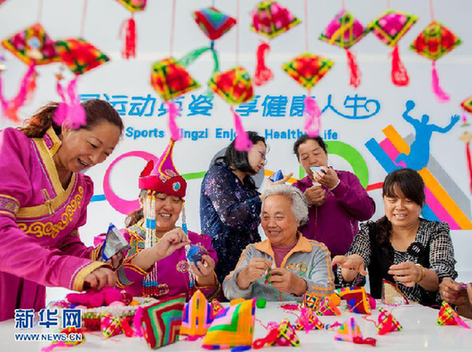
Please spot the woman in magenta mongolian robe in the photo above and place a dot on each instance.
(156, 264)
(43, 202)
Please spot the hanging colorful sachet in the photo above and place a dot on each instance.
(233, 327)
(235, 87)
(79, 56)
(345, 31)
(269, 19)
(34, 47)
(434, 42)
(390, 27)
(214, 24)
(467, 106)
(170, 80)
(129, 26)
(308, 69)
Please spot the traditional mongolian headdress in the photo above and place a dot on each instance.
(159, 177)
(163, 176)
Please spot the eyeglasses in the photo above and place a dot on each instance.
(263, 155)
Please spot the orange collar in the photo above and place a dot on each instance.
(303, 245)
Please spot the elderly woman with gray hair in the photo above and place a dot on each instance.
(287, 264)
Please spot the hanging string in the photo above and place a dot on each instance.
(469, 163)
(344, 4)
(306, 25)
(84, 17)
(40, 11)
(213, 3)
(388, 4)
(431, 9)
(172, 27)
(237, 32)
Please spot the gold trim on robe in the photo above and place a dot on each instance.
(96, 253)
(79, 279)
(41, 228)
(9, 205)
(50, 204)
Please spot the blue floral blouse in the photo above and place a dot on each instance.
(229, 214)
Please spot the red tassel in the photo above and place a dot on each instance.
(263, 73)
(289, 306)
(464, 120)
(31, 87)
(242, 140)
(399, 75)
(355, 72)
(127, 329)
(312, 117)
(138, 317)
(70, 107)
(361, 341)
(438, 91)
(129, 26)
(28, 85)
(173, 111)
(271, 337)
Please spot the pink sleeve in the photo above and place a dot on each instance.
(127, 274)
(73, 245)
(354, 198)
(20, 254)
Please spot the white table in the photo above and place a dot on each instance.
(419, 333)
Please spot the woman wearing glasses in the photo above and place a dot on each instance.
(230, 205)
